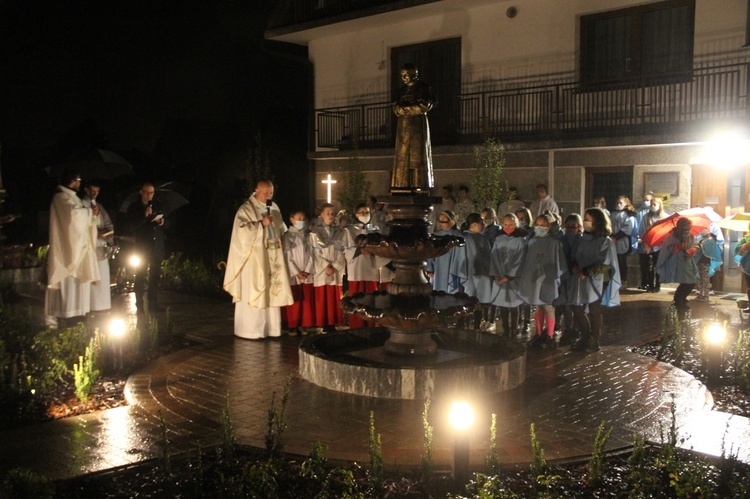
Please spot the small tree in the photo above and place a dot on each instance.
(354, 187)
(487, 186)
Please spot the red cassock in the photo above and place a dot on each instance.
(302, 312)
(328, 310)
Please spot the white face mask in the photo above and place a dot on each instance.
(646, 204)
(540, 231)
(654, 209)
(522, 224)
(300, 224)
(588, 226)
(363, 219)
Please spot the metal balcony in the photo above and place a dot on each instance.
(568, 110)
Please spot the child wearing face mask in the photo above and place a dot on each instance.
(569, 237)
(299, 262)
(438, 268)
(508, 251)
(329, 268)
(471, 267)
(624, 228)
(524, 217)
(597, 278)
(543, 269)
(362, 268)
(648, 255)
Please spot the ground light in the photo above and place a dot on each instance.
(461, 417)
(714, 337)
(117, 331)
(134, 261)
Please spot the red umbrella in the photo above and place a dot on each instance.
(658, 232)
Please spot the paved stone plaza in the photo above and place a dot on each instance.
(566, 396)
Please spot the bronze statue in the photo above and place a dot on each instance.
(412, 164)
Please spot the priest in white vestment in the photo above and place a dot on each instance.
(256, 274)
(71, 262)
(101, 296)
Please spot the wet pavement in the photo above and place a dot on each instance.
(566, 395)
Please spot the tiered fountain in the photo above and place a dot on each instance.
(416, 352)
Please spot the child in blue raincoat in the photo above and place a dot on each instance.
(708, 259)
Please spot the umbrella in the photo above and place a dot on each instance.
(738, 222)
(658, 232)
(707, 211)
(168, 199)
(99, 164)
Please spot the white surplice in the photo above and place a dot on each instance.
(71, 262)
(256, 274)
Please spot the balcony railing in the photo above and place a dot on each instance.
(554, 111)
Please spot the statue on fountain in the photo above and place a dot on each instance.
(412, 163)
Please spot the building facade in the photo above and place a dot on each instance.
(592, 97)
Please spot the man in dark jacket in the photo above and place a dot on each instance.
(146, 223)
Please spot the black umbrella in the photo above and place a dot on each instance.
(168, 199)
(96, 164)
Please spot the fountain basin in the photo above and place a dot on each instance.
(466, 362)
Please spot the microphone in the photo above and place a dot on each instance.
(93, 203)
(269, 203)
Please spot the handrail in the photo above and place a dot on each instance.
(556, 110)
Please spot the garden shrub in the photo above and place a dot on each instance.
(191, 276)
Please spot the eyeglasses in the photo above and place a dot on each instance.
(444, 221)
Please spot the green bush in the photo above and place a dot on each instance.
(191, 276)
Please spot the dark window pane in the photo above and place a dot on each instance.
(666, 41)
(609, 48)
(638, 42)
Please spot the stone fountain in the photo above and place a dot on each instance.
(416, 352)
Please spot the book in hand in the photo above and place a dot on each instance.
(157, 217)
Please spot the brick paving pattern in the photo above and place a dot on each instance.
(566, 396)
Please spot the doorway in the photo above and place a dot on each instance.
(610, 182)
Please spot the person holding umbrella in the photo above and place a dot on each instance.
(146, 223)
(676, 263)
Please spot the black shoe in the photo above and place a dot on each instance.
(329, 329)
(568, 337)
(655, 289)
(537, 341)
(548, 343)
(581, 345)
(593, 346)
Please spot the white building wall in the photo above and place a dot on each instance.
(542, 39)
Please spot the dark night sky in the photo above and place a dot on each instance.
(127, 65)
(178, 88)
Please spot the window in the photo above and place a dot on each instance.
(439, 64)
(648, 42)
